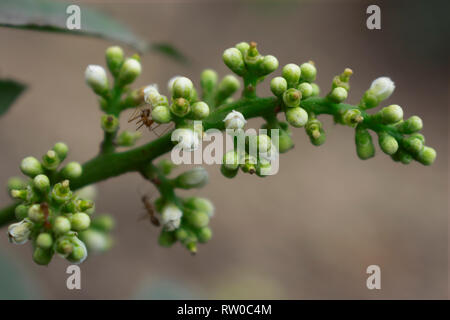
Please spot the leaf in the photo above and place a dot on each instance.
(169, 50)
(51, 16)
(9, 91)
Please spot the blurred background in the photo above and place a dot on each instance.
(308, 232)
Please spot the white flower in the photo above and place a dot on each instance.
(96, 78)
(151, 95)
(171, 82)
(19, 232)
(234, 120)
(382, 88)
(171, 217)
(187, 139)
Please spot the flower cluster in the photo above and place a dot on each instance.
(50, 213)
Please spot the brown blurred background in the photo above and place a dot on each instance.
(308, 232)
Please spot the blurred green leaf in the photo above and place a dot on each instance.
(51, 16)
(9, 91)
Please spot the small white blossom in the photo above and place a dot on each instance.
(171, 217)
(171, 82)
(234, 120)
(96, 78)
(19, 232)
(151, 95)
(187, 139)
(382, 88)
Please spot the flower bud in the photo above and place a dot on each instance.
(412, 125)
(318, 139)
(194, 178)
(161, 114)
(166, 166)
(171, 217)
(308, 71)
(114, 59)
(234, 120)
(352, 117)
(199, 204)
(197, 219)
(61, 150)
(50, 160)
(151, 95)
(16, 183)
(291, 72)
(278, 85)
(419, 136)
(413, 145)
(61, 192)
(42, 183)
(338, 94)
(268, 65)
(72, 170)
(31, 167)
(243, 47)
(292, 97)
(228, 173)
(380, 89)
(182, 88)
(285, 142)
(264, 143)
(42, 256)
(316, 90)
(208, 80)
(234, 60)
(109, 123)
(167, 238)
(128, 139)
(19, 194)
(180, 107)
(96, 241)
(130, 70)
(391, 114)
(252, 57)
(231, 160)
(79, 252)
(61, 225)
(200, 110)
(36, 214)
(64, 245)
(297, 117)
(186, 138)
(19, 232)
(364, 145)
(80, 221)
(227, 87)
(306, 89)
(263, 168)
(96, 78)
(388, 143)
(44, 240)
(103, 223)
(426, 156)
(249, 165)
(204, 234)
(21, 211)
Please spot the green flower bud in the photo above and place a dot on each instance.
(263, 167)
(234, 60)
(96, 78)
(297, 117)
(181, 234)
(80, 221)
(166, 166)
(379, 90)
(391, 114)
(61, 192)
(268, 65)
(44, 240)
(412, 125)
(342, 80)
(79, 252)
(228, 173)
(204, 235)
(264, 143)
(197, 219)
(21, 211)
(31, 167)
(36, 214)
(72, 170)
(103, 223)
(161, 114)
(42, 256)
(388, 143)
(200, 110)
(114, 59)
(109, 123)
(292, 97)
(413, 145)
(171, 217)
(16, 183)
(338, 94)
(243, 47)
(167, 238)
(352, 117)
(64, 245)
(19, 194)
(291, 72)
(182, 88)
(61, 150)
(249, 165)
(313, 127)
(419, 136)
(20, 232)
(306, 89)
(208, 80)
(130, 70)
(96, 241)
(61, 225)
(180, 107)
(194, 178)
(285, 142)
(199, 204)
(227, 87)
(402, 156)
(308, 72)
(364, 145)
(252, 57)
(278, 85)
(426, 156)
(316, 90)
(128, 139)
(50, 160)
(231, 160)
(42, 183)
(318, 139)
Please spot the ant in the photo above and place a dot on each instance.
(150, 210)
(145, 120)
